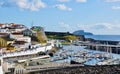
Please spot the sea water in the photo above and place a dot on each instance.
(104, 37)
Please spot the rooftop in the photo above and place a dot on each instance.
(20, 42)
(1, 24)
(17, 33)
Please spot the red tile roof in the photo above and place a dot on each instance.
(16, 33)
(1, 24)
(20, 42)
(13, 24)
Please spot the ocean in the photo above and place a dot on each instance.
(104, 37)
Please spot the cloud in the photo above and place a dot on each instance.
(112, 0)
(65, 26)
(63, 0)
(81, 26)
(5, 4)
(102, 26)
(63, 7)
(81, 1)
(33, 5)
(116, 7)
(107, 26)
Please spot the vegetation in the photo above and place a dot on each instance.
(55, 37)
(40, 37)
(67, 38)
(70, 38)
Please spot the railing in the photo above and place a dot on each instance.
(93, 44)
(28, 52)
(48, 67)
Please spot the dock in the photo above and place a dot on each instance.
(102, 47)
(95, 44)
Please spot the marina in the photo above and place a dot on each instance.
(67, 56)
(60, 37)
(85, 56)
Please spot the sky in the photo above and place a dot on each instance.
(96, 16)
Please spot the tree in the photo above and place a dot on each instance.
(41, 37)
(70, 37)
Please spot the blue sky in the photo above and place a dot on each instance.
(96, 16)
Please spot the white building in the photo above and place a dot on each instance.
(26, 39)
(20, 37)
(21, 44)
(16, 35)
(4, 30)
(2, 25)
(3, 34)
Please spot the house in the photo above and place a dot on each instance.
(5, 41)
(18, 27)
(16, 35)
(28, 32)
(4, 30)
(3, 34)
(20, 37)
(11, 27)
(21, 44)
(8, 29)
(2, 25)
(24, 38)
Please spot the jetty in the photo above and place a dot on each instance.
(102, 47)
(95, 44)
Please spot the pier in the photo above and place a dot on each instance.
(102, 47)
(95, 44)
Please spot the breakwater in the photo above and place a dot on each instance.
(99, 44)
(107, 46)
(106, 69)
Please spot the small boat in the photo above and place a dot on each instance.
(74, 62)
(78, 60)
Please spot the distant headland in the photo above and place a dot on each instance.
(82, 32)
